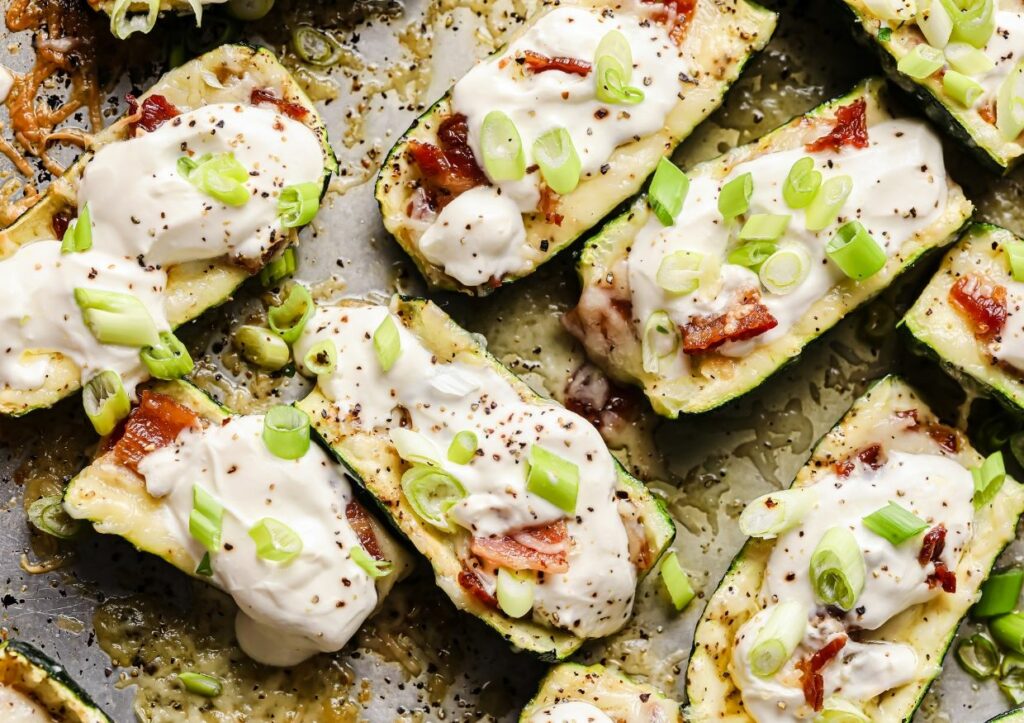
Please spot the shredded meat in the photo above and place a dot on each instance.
(292, 110)
(537, 63)
(811, 679)
(850, 129)
(359, 521)
(870, 456)
(153, 113)
(154, 423)
(544, 548)
(472, 584)
(448, 168)
(981, 301)
(745, 320)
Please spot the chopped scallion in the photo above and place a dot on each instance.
(278, 269)
(660, 340)
(778, 637)
(1015, 254)
(298, 203)
(884, 35)
(771, 514)
(219, 176)
(975, 24)
(122, 24)
(999, 594)
(801, 184)
(764, 227)
(855, 252)
(553, 478)
(825, 206)
(988, 479)
(935, 22)
(106, 401)
(961, 88)
(921, 62)
(261, 347)
(286, 431)
(667, 191)
(387, 343)
(371, 565)
(322, 358)
(206, 518)
(116, 318)
(559, 163)
(838, 710)
(967, 59)
(78, 235)
(676, 581)
(613, 66)
(895, 523)
(514, 592)
(289, 318)
(680, 272)
(504, 157)
(431, 492)
(752, 254)
(734, 198)
(463, 447)
(167, 360)
(201, 684)
(275, 541)
(837, 569)
(786, 269)
(48, 515)
(1010, 104)
(1008, 630)
(1011, 677)
(978, 655)
(413, 447)
(205, 566)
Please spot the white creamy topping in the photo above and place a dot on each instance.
(290, 611)
(6, 82)
(38, 313)
(1005, 48)
(899, 189)
(142, 206)
(17, 707)
(1009, 346)
(595, 596)
(573, 711)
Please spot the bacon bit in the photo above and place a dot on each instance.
(544, 548)
(851, 128)
(982, 301)
(943, 576)
(988, 113)
(910, 414)
(537, 63)
(153, 113)
(592, 395)
(60, 221)
(870, 456)
(451, 168)
(749, 319)
(154, 423)
(359, 521)
(292, 110)
(549, 206)
(676, 15)
(932, 545)
(472, 584)
(945, 437)
(811, 679)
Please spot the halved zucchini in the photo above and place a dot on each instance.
(27, 674)
(606, 689)
(721, 38)
(973, 125)
(604, 319)
(928, 627)
(1010, 716)
(191, 287)
(373, 461)
(946, 333)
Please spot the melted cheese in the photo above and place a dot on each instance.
(572, 711)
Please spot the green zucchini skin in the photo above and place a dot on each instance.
(1010, 716)
(605, 688)
(710, 691)
(727, 380)
(756, 30)
(206, 287)
(48, 682)
(364, 455)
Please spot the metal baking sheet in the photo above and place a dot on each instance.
(420, 659)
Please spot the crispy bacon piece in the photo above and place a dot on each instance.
(811, 679)
(549, 206)
(60, 221)
(360, 523)
(537, 63)
(676, 15)
(292, 110)
(982, 301)
(544, 548)
(449, 168)
(870, 455)
(472, 584)
(932, 545)
(988, 113)
(154, 423)
(943, 576)
(945, 437)
(745, 321)
(850, 129)
(592, 395)
(153, 113)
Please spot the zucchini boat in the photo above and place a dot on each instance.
(177, 204)
(571, 692)
(961, 59)
(36, 689)
(853, 586)
(527, 519)
(235, 501)
(969, 314)
(539, 142)
(702, 305)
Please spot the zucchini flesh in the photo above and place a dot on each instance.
(928, 628)
(27, 670)
(946, 333)
(606, 689)
(192, 287)
(723, 35)
(612, 339)
(375, 465)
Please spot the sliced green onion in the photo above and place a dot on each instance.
(289, 318)
(249, 10)
(286, 431)
(1015, 253)
(275, 541)
(824, 207)
(205, 566)
(559, 163)
(921, 62)
(935, 22)
(298, 203)
(261, 347)
(78, 235)
(837, 710)
(785, 269)
(322, 358)
(431, 492)
(884, 35)
(219, 176)
(463, 447)
(553, 478)
(978, 655)
(967, 59)
(801, 184)
(855, 252)
(106, 401)
(167, 360)
(676, 581)
(504, 157)
(371, 565)
(122, 25)
(895, 523)
(961, 88)
(201, 684)
(387, 343)
(752, 254)
(278, 269)
(206, 519)
(1011, 677)
(837, 569)
(414, 447)
(197, 10)
(1010, 104)
(613, 69)
(976, 23)
(48, 515)
(1008, 630)
(667, 191)
(680, 272)
(892, 10)
(770, 515)
(988, 478)
(999, 594)
(764, 227)
(514, 593)
(660, 340)
(778, 638)
(315, 47)
(734, 198)
(116, 318)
